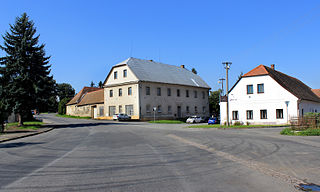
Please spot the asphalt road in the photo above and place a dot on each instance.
(90, 155)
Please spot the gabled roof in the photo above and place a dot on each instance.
(291, 84)
(93, 97)
(77, 98)
(151, 71)
(316, 91)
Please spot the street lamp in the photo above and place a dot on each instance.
(227, 67)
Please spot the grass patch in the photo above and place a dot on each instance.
(34, 125)
(74, 117)
(307, 132)
(167, 122)
(231, 126)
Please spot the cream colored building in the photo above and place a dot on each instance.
(137, 87)
(87, 103)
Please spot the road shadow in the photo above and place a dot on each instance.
(18, 144)
(80, 125)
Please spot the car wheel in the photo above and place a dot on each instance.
(194, 121)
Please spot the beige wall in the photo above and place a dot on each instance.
(83, 111)
(120, 79)
(153, 100)
(123, 100)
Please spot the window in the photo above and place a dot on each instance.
(203, 95)
(169, 109)
(101, 111)
(260, 88)
(148, 108)
(120, 108)
(195, 94)
(203, 109)
(235, 115)
(120, 92)
(111, 93)
(249, 89)
(130, 91)
(263, 114)
(279, 113)
(147, 90)
(129, 109)
(196, 109)
(112, 110)
(169, 92)
(178, 92)
(115, 75)
(124, 73)
(187, 93)
(249, 114)
(159, 108)
(158, 91)
(187, 109)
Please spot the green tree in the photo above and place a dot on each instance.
(4, 113)
(62, 106)
(92, 84)
(214, 99)
(100, 84)
(25, 69)
(65, 90)
(193, 70)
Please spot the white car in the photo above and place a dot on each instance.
(194, 119)
(121, 116)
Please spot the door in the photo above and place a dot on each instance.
(179, 111)
(95, 112)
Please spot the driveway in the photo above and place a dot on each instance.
(91, 155)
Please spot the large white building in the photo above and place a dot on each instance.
(137, 86)
(267, 96)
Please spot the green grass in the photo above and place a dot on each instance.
(307, 132)
(34, 125)
(74, 117)
(231, 126)
(167, 122)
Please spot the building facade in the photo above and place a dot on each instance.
(144, 89)
(267, 96)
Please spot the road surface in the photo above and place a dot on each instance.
(92, 155)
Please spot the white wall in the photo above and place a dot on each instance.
(309, 106)
(273, 98)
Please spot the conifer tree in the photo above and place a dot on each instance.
(25, 69)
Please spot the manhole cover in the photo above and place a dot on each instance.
(310, 187)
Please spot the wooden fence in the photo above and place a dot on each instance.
(302, 123)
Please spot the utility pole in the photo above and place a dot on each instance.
(227, 67)
(221, 81)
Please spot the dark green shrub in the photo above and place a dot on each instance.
(62, 106)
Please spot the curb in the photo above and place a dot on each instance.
(27, 135)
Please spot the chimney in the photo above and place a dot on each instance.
(272, 66)
(182, 66)
(151, 60)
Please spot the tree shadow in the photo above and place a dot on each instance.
(80, 125)
(18, 144)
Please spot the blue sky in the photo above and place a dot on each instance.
(85, 38)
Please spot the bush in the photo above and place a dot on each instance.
(237, 123)
(287, 131)
(310, 132)
(62, 106)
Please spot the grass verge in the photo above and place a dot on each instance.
(231, 126)
(167, 122)
(74, 117)
(34, 125)
(307, 132)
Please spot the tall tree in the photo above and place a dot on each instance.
(25, 69)
(214, 100)
(92, 84)
(100, 84)
(193, 70)
(65, 90)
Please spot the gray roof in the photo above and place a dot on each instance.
(151, 71)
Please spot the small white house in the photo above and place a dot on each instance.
(266, 96)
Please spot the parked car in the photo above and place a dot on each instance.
(212, 120)
(121, 116)
(194, 119)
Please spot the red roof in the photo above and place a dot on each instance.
(76, 99)
(93, 97)
(291, 84)
(316, 91)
